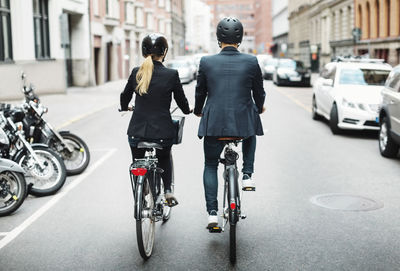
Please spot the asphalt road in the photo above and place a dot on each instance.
(89, 224)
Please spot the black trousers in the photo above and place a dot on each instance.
(164, 162)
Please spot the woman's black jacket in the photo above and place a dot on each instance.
(151, 118)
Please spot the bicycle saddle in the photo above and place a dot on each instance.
(229, 138)
(149, 145)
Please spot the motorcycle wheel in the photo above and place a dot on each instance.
(46, 181)
(13, 191)
(77, 161)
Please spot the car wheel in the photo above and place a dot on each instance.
(334, 120)
(387, 146)
(314, 114)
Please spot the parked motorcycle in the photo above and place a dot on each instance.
(44, 168)
(13, 189)
(72, 149)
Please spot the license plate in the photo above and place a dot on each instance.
(295, 79)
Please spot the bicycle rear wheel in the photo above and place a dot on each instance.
(232, 243)
(145, 223)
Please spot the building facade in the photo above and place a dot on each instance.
(280, 28)
(178, 27)
(241, 9)
(198, 27)
(263, 23)
(118, 28)
(379, 21)
(45, 39)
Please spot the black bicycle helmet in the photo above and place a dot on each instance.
(154, 44)
(230, 31)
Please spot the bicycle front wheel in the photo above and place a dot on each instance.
(145, 222)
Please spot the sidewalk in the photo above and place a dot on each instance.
(79, 103)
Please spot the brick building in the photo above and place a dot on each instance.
(241, 9)
(379, 21)
(263, 26)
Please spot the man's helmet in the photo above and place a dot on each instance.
(230, 31)
(154, 44)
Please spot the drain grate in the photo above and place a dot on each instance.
(346, 202)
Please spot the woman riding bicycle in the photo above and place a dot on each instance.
(151, 120)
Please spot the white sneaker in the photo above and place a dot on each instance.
(212, 219)
(248, 183)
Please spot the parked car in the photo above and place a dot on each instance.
(348, 94)
(184, 70)
(262, 58)
(192, 63)
(389, 116)
(269, 68)
(291, 72)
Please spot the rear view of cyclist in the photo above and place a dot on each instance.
(233, 86)
(151, 120)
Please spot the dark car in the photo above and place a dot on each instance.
(389, 116)
(291, 72)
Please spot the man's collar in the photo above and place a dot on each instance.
(229, 48)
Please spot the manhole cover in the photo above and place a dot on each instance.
(346, 202)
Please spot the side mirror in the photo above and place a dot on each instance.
(328, 83)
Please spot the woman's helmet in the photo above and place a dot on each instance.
(154, 44)
(230, 31)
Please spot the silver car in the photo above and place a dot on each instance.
(389, 116)
(185, 70)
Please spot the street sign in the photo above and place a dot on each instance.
(356, 33)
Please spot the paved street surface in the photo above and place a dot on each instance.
(89, 224)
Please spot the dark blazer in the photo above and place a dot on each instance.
(230, 81)
(151, 118)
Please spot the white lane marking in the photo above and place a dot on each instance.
(3, 233)
(18, 230)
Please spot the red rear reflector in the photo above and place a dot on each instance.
(233, 206)
(139, 171)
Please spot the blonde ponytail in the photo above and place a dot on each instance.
(143, 76)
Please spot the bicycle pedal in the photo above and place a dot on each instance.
(249, 189)
(243, 216)
(215, 229)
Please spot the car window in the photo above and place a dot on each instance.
(287, 63)
(299, 64)
(271, 62)
(393, 80)
(365, 77)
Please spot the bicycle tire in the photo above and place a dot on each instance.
(232, 243)
(145, 248)
(233, 214)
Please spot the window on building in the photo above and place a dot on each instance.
(387, 18)
(41, 25)
(161, 3)
(129, 13)
(368, 30)
(112, 8)
(139, 17)
(96, 7)
(149, 21)
(168, 5)
(5, 31)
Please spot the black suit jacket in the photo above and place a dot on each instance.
(151, 118)
(230, 81)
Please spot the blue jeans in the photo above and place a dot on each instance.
(212, 151)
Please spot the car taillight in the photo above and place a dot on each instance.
(139, 171)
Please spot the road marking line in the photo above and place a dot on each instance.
(294, 100)
(3, 233)
(80, 117)
(18, 230)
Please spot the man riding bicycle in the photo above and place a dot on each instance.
(233, 86)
